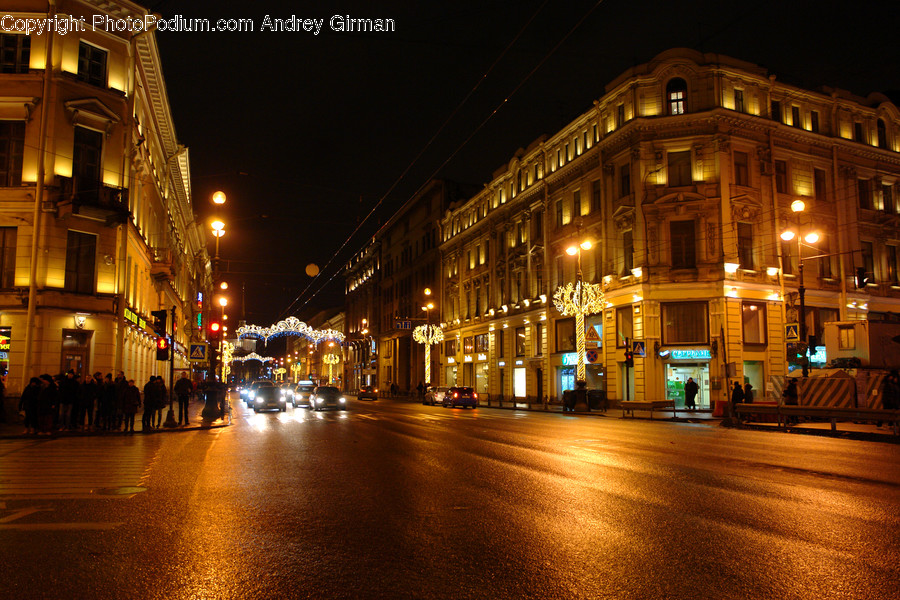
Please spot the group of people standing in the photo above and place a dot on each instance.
(71, 402)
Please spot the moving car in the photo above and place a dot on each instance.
(286, 389)
(435, 395)
(327, 396)
(266, 396)
(302, 391)
(460, 396)
(367, 392)
(248, 391)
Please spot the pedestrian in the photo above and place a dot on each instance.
(48, 405)
(29, 405)
(108, 403)
(791, 397)
(690, 393)
(421, 390)
(150, 391)
(183, 389)
(68, 398)
(748, 393)
(890, 392)
(161, 399)
(131, 402)
(87, 394)
(737, 393)
(121, 384)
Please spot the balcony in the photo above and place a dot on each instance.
(95, 201)
(163, 266)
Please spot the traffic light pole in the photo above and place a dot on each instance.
(170, 416)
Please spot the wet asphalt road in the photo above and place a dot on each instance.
(399, 500)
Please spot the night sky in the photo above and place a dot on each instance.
(306, 134)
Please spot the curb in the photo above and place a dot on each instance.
(217, 424)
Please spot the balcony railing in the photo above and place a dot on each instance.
(95, 200)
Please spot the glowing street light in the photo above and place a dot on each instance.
(331, 360)
(797, 207)
(580, 299)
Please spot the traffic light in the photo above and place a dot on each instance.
(159, 321)
(629, 358)
(215, 331)
(796, 352)
(162, 348)
(862, 277)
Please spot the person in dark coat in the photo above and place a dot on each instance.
(29, 404)
(121, 386)
(690, 393)
(890, 395)
(183, 390)
(150, 391)
(130, 403)
(748, 393)
(87, 395)
(161, 399)
(68, 399)
(48, 404)
(737, 393)
(108, 403)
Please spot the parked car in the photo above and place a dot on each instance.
(266, 396)
(435, 395)
(367, 392)
(460, 396)
(327, 396)
(302, 392)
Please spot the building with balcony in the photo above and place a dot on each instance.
(684, 174)
(96, 219)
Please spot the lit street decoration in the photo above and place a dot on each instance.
(428, 335)
(252, 356)
(290, 326)
(331, 360)
(227, 357)
(579, 299)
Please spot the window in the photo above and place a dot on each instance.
(684, 323)
(481, 343)
(741, 169)
(847, 337)
(858, 132)
(12, 145)
(739, 100)
(568, 153)
(538, 227)
(620, 115)
(781, 177)
(81, 252)
(520, 341)
(501, 349)
(595, 196)
(887, 198)
(559, 213)
(538, 339)
(753, 320)
(624, 325)
(684, 248)
(15, 53)
(819, 184)
(882, 134)
(8, 237)
(565, 335)
(795, 116)
(814, 121)
(559, 160)
(745, 245)
(864, 191)
(627, 252)
(868, 259)
(775, 110)
(676, 95)
(86, 162)
(824, 263)
(679, 168)
(576, 203)
(596, 133)
(450, 347)
(624, 180)
(788, 258)
(892, 264)
(468, 345)
(91, 64)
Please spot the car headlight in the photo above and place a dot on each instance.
(342, 399)
(319, 400)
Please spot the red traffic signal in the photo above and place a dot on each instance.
(215, 328)
(162, 348)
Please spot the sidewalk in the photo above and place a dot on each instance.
(16, 428)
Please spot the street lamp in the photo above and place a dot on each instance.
(797, 207)
(580, 299)
(331, 360)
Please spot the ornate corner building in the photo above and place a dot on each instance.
(684, 175)
(96, 223)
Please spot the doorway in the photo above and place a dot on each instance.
(76, 351)
(678, 374)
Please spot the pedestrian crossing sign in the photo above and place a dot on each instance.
(792, 332)
(639, 348)
(198, 353)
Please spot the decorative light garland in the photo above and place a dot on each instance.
(428, 335)
(579, 299)
(289, 326)
(252, 356)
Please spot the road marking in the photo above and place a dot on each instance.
(23, 513)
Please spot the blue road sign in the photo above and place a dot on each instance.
(639, 348)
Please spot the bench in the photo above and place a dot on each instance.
(629, 406)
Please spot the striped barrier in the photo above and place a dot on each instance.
(828, 392)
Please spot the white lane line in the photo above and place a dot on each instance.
(59, 526)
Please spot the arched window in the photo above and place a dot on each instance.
(882, 134)
(676, 96)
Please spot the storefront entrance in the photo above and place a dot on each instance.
(565, 377)
(676, 376)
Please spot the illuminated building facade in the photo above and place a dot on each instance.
(95, 201)
(682, 175)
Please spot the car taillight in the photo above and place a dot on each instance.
(456, 394)
(475, 396)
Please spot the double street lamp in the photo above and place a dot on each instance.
(797, 207)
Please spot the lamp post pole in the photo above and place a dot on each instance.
(801, 292)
